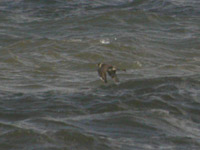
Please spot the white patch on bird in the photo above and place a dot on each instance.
(101, 78)
(114, 68)
(100, 65)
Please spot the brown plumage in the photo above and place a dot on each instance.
(103, 69)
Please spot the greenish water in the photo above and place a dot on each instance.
(51, 97)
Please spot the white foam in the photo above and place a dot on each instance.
(105, 41)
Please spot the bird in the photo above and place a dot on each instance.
(103, 69)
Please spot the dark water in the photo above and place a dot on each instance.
(52, 99)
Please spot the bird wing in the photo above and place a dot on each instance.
(102, 75)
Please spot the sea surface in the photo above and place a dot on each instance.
(51, 97)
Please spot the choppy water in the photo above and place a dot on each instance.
(52, 99)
